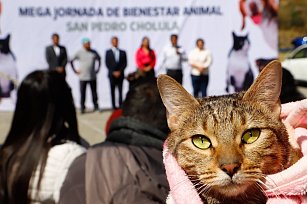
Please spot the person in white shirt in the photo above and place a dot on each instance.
(173, 56)
(200, 60)
(42, 143)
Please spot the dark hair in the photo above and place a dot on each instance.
(174, 35)
(55, 35)
(145, 37)
(114, 37)
(143, 102)
(201, 40)
(44, 117)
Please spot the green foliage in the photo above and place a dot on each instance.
(292, 18)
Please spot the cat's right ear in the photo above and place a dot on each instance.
(175, 98)
(267, 87)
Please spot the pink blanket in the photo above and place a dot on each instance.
(288, 186)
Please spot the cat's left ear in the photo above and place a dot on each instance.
(176, 100)
(267, 87)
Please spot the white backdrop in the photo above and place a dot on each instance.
(31, 23)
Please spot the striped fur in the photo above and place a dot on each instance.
(224, 119)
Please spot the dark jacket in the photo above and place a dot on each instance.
(127, 168)
(112, 65)
(56, 61)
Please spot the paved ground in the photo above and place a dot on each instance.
(91, 125)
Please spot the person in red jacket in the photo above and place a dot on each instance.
(146, 58)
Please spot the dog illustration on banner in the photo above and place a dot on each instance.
(239, 73)
(264, 14)
(8, 69)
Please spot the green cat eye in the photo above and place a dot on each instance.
(251, 136)
(201, 141)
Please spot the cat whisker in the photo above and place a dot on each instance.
(272, 183)
(203, 173)
(196, 185)
(259, 186)
(204, 191)
(276, 192)
(262, 183)
(177, 185)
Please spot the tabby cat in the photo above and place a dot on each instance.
(227, 144)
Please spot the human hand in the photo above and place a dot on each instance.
(148, 68)
(116, 74)
(202, 70)
(60, 69)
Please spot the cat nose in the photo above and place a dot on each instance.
(230, 169)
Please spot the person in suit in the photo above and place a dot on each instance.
(116, 62)
(56, 55)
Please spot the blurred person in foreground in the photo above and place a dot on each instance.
(128, 167)
(42, 143)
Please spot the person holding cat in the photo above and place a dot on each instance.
(56, 55)
(200, 60)
(128, 166)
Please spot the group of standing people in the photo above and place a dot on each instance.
(199, 59)
(89, 65)
(116, 62)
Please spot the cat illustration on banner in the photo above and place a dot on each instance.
(8, 69)
(239, 73)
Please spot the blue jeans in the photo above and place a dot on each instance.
(200, 84)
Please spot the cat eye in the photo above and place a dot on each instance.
(201, 141)
(251, 136)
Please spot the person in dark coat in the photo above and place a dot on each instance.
(128, 166)
(116, 62)
(56, 55)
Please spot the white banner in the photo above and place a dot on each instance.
(30, 24)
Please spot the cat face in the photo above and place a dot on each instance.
(226, 144)
(240, 42)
